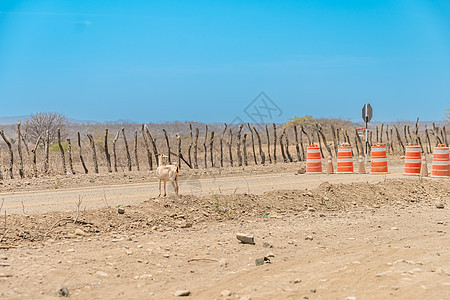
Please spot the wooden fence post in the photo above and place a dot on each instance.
(19, 149)
(268, 144)
(359, 143)
(230, 148)
(11, 155)
(302, 146)
(399, 139)
(94, 153)
(108, 156)
(147, 148)
(244, 149)
(128, 151)
(253, 143)
(196, 149)
(47, 150)
(406, 136)
(179, 150)
(155, 150)
(81, 156)
(357, 148)
(168, 146)
(63, 159)
(286, 137)
(204, 146)
(239, 154)
(336, 145)
(114, 150)
(35, 171)
(211, 145)
(274, 143)
(444, 136)
(221, 144)
(381, 133)
(330, 153)
(69, 153)
(190, 145)
(136, 149)
(282, 147)
(307, 136)
(261, 152)
(427, 140)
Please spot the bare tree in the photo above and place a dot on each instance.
(41, 122)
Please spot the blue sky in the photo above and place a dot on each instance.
(151, 61)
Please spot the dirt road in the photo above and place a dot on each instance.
(95, 197)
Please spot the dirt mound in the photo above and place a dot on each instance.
(167, 213)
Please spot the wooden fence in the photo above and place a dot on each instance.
(136, 149)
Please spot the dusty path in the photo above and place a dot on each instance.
(393, 252)
(33, 202)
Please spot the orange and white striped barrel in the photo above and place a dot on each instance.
(313, 160)
(441, 164)
(344, 160)
(378, 164)
(413, 160)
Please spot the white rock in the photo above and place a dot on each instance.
(101, 274)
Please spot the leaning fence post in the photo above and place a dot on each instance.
(94, 153)
(126, 148)
(63, 159)
(11, 155)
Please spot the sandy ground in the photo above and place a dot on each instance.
(369, 241)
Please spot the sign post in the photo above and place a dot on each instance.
(367, 116)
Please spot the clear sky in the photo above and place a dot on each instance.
(151, 61)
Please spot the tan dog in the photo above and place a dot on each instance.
(166, 172)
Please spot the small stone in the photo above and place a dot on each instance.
(313, 290)
(128, 252)
(166, 255)
(321, 215)
(63, 292)
(311, 209)
(350, 298)
(395, 288)
(267, 245)
(117, 240)
(226, 293)
(439, 205)
(270, 254)
(70, 250)
(296, 280)
(121, 210)
(182, 293)
(309, 237)
(446, 271)
(246, 297)
(394, 228)
(101, 274)
(79, 232)
(259, 261)
(380, 275)
(223, 262)
(246, 238)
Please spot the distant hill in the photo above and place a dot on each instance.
(13, 120)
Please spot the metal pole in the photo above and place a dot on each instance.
(365, 133)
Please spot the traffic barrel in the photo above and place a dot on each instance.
(313, 160)
(412, 159)
(441, 164)
(344, 160)
(378, 163)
